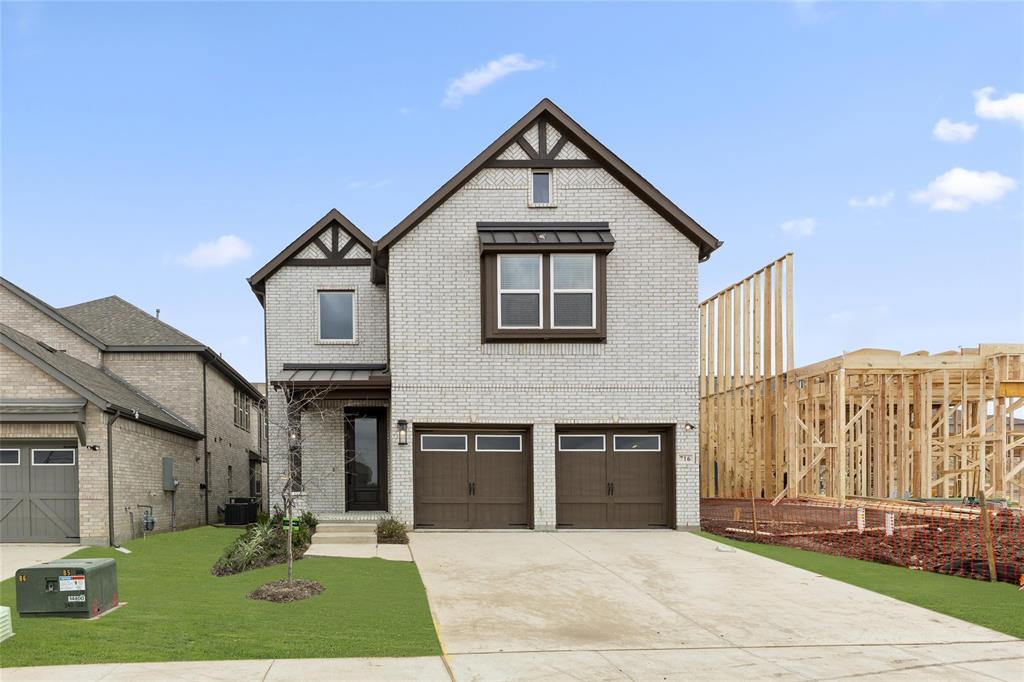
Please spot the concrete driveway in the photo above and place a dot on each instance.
(17, 555)
(666, 605)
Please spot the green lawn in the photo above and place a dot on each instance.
(999, 606)
(175, 610)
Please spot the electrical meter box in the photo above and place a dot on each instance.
(74, 588)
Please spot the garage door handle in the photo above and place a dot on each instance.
(472, 488)
(612, 485)
(609, 489)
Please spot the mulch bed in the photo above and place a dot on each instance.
(279, 590)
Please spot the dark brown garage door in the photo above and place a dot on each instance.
(472, 478)
(38, 492)
(613, 478)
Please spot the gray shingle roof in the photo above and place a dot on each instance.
(94, 383)
(118, 323)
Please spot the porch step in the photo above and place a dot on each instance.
(341, 527)
(352, 538)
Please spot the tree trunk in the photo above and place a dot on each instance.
(288, 520)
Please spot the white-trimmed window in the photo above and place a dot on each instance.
(443, 442)
(581, 442)
(637, 443)
(503, 442)
(573, 292)
(242, 414)
(336, 316)
(55, 457)
(10, 457)
(542, 187)
(520, 303)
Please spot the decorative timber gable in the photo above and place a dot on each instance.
(331, 241)
(543, 145)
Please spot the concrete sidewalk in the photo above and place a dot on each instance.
(19, 555)
(428, 669)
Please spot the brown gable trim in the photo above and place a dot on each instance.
(333, 217)
(548, 112)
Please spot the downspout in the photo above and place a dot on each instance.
(110, 477)
(206, 453)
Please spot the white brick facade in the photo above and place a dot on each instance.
(441, 372)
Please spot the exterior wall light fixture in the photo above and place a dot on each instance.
(403, 432)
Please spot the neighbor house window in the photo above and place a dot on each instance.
(519, 292)
(337, 316)
(62, 457)
(540, 188)
(10, 457)
(242, 410)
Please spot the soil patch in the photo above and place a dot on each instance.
(280, 591)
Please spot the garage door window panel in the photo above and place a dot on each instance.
(10, 457)
(638, 443)
(494, 443)
(63, 457)
(582, 442)
(443, 443)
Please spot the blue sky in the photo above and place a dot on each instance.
(135, 132)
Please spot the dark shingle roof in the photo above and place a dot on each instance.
(96, 385)
(118, 323)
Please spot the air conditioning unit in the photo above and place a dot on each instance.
(74, 588)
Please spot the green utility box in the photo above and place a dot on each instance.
(74, 588)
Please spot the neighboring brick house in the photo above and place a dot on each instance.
(520, 351)
(101, 382)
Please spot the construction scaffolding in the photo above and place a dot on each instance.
(871, 423)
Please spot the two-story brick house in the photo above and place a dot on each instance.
(519, 351)
(93, 399)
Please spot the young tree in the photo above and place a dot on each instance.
(300, 404)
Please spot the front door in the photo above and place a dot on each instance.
(365, 459)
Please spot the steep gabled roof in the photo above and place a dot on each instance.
(112, 324)
(619, 169)
(119, 323)
(99, 387)
(333, 216)
(51, 312)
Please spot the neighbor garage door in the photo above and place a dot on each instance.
(38, 492)
(472, 478)
(613, 477)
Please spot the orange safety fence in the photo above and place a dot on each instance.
(942, 538)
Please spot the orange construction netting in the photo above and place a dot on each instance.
(946, 538)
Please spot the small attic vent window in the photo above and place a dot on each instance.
(540, 188)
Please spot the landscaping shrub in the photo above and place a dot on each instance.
(392, 532)
(262, 544)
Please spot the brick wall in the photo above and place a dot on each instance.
(645, 373)
(16, 313)
(21, 379)
(228, 444)
(175, 380)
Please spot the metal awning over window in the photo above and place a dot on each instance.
(368, 380)
(528, 236)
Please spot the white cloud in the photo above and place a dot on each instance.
(472, 82)
(873, 200)
(803, 227)
(222, 251)
(948, 131)
(1010, 107)
(959, 189)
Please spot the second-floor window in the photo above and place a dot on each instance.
(242, 410)
(337, 316)
(543, 296)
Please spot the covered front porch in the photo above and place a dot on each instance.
(337, 423)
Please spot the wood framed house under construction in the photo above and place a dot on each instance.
(869, 423)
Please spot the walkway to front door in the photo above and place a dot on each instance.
(666, 605)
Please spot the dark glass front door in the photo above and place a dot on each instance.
(365, 459)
